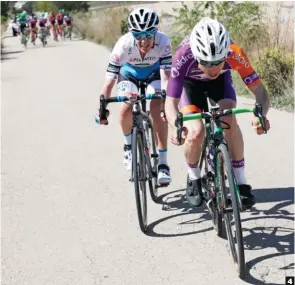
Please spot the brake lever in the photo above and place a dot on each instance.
(163, 94)
(179, 125)
(258, 113)
(103, 110)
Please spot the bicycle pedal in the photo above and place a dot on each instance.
(154, 155)
(227, 210)
(163, 185)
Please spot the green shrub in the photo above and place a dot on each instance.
(124, 27)
(277, 72)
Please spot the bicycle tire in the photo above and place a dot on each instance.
(207, 185)
(238, 255)
(139, 177)
(153, 181)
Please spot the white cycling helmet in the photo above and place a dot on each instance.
(209, 40)
(142, 19)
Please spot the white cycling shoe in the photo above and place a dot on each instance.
(164, 174)
(127, 157)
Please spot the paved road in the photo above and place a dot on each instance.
(68, 209)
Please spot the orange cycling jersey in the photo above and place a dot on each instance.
(238, 61)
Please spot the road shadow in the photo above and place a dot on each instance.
(4, 58)
(7, 36)
(281, 237)
(11, 52)
(173, 201)
(77, 39)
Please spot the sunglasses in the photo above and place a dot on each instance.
(144, 35)
(211, 63)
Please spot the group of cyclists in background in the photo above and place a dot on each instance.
(29, 26)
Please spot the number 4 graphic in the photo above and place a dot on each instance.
(289, 281)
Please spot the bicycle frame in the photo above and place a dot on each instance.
(214, 135)
(140, 117)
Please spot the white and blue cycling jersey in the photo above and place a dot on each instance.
(126, 60)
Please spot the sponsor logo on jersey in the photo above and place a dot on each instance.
(166, 61)
(113, 69)
(166, 67)
(167, 54)
(179, 63)
(123, 86)
(174, 72)
(241, 59)
(115, 58)
(136, 59)
(168, 48)
(251, 78)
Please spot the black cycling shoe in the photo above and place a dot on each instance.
(248, 199)
(194, 192)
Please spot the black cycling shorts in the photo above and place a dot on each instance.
(195, 93)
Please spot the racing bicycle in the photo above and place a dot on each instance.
(143, 147)
(219, 187)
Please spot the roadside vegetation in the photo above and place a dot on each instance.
(270, 48)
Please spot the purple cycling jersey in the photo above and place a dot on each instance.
(185, 66)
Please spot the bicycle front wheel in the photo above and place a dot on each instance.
(230, 208)
(139, 177)
(153, 165)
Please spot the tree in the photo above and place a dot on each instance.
(6, 6)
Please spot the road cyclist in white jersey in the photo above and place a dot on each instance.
(143, 53)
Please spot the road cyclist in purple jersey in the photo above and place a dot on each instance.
(202, 67)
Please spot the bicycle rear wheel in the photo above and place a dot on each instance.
(139, 177)
(209, 190)
(230, 209)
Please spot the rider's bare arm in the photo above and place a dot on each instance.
(164, 78)
(261, 95)
(108, 87)
(171, 110)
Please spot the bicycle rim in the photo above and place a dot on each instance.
(153, 183)
(231, 214)
(139, 177)
(209, 190)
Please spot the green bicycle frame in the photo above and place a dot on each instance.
(215, 133)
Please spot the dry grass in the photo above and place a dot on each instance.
(102, 27)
